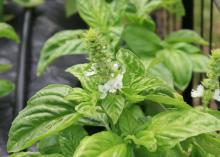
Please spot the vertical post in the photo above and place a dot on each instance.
(22, 70)
(188, 19)
(211, 25)
(202, 19)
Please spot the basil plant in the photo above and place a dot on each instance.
(110, 17)
(127, 23)
(134, 113)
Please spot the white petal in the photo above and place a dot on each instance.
(198, 92)
(217, 95)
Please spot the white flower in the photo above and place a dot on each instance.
(198, 92)
(111, 86)
(115, 66)
(217, 95)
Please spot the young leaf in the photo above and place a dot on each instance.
(167, 101)
(95, 13)
(78, 95)
(5, 67)
(6, 87)
(103, 144)
(187, 36)
(47, 113)
(89, 83)
(6, 31)
(131, 120)
(170, 128)
(113, 106)
(133, 66)
(70, 138)
(70, 7)
(199, 62)
(63, 43)
(29, 3)
(142, 41)
(180, 66)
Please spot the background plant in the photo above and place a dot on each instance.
(56, 114)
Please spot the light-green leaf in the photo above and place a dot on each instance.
(67, 42)
(167, 101)
(88, 83)
(29, 3)
(132, 64)
(113, 106)
(47, 113)
(180, 66)
(6, 87)
(95, 12)
(49, 145)
(187, 36)
(171, 127)
(103, 144)
(199, 62)
(70, 138)
(6, 31)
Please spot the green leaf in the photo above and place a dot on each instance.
(70, 7)
(187, 36)
(131, 120)
(6, 31)
(199, 62)
(207, 144)
(29, 3)
(179, 65)
(34, 154)
(103, 144)
(5, 67)
(113, 106)
(95, 13)
(78, 95)
(174, 6)
(141, 41)
(186, 47)
(63, 43)
(132, 64)
(171, 127)
(47, 113)
(49, 145)
(88, 83)
(70, 138)
(163, 73)
(167, 101)
(6, 87)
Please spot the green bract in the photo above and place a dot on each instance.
(138, 113)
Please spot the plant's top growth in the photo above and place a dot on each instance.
(210, 86)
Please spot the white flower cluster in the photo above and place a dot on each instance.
(200, 90)
(111, 86)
